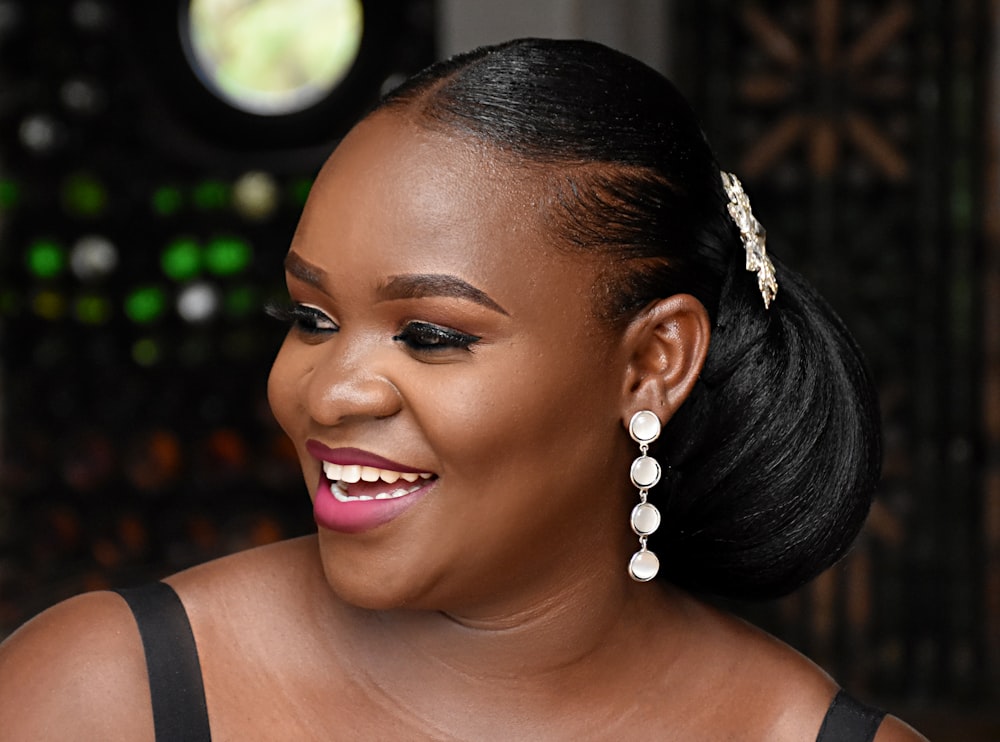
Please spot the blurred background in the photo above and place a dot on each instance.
(154, 158)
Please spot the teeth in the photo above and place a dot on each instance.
(352, 473)
(341, 494)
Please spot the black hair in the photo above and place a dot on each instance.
(775, 455)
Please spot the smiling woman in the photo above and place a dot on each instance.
(531, 324)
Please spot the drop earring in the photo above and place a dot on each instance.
(644, 427)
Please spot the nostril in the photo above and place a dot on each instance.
(334, 397)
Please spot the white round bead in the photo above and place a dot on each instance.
(645, 519)
(645, 472)
(643, 566)
(644, 427)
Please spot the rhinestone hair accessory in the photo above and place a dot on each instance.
(753, 236)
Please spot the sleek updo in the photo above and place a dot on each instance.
(775, 455)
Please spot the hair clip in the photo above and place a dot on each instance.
(753, 235)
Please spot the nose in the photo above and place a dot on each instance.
(338, 388)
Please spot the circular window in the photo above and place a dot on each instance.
(272, 57)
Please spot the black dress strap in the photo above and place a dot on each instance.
(848, 720)
(175, 685)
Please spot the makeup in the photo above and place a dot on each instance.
(359, 490)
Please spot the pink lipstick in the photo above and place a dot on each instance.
(359, 491)
(346, 456)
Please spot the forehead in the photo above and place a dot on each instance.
(422, 179)
(396, 197)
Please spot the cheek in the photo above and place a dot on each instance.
(524, 419)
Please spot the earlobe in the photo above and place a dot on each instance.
(667, 344)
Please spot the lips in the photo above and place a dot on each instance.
(349, 456)
(359, 490)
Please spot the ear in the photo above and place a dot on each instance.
(667, 343)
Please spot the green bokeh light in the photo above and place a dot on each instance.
(167, 200)
(84, 195)
(299, 191)
(181, 259)
(92, 309)
(211, 195)
(146, 352)
(10, 193)
(240, 302)
(46, 258)
(146, 304)
(225, 256)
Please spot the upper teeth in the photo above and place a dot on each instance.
(351, 473)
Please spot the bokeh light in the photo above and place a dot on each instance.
(211, 195)
(181, 259)
(10, 193)
(46, 258)
(255, 195)
(84, 195)
(226, 256)
(92, 309)
(167, 200)
(93, 257)
(146, 304)
(273, 57)
(198, 302)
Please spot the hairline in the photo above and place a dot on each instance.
(416, 107)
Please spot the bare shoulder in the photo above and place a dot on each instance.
(766, 689)
(896, 730)
(788, 693)
(76, 671)
(273, 572)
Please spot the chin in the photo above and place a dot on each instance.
(372, 584)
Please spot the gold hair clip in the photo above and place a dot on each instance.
(753, 235)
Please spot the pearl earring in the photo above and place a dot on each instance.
(644, 427)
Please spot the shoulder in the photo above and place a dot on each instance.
(77, 671)
(763, 688)
(257, 578)
(776, 692)
(895, 730)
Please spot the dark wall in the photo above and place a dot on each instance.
(136, 441)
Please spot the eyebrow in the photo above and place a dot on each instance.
(303, 270)
(419, 285)
(407, 286)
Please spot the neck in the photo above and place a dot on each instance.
(552, 632)
(525, 667)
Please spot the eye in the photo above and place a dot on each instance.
(307, 319)
(424, 336)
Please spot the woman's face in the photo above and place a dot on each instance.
(437, 332)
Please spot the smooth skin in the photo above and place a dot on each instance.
(498, 606)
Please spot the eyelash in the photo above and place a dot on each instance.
(418, 336)
(303, 318)
(424, 336)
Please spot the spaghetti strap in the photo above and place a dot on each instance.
(175, 684)
(848, 720)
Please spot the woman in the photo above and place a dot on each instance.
(524, 335)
